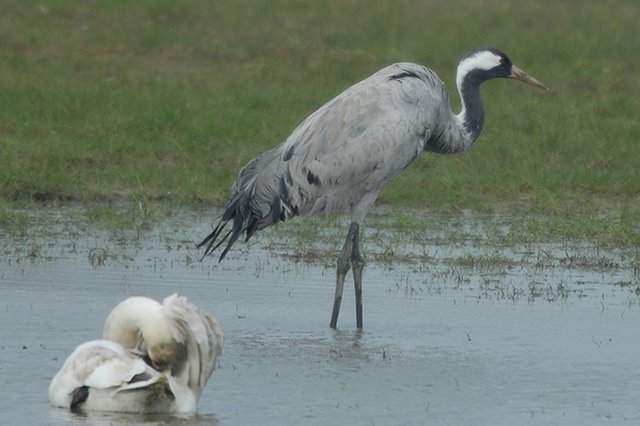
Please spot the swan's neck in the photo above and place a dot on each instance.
(139, 323)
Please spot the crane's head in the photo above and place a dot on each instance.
(486, 63)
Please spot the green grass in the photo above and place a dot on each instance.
(166, 100)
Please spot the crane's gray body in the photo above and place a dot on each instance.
(340, 157)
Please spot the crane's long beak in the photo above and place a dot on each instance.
(518, 74)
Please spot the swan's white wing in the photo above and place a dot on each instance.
(200, 333)
(113, 369)
(99, 364)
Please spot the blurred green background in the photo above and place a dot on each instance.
(166, 100)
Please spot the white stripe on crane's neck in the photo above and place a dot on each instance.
(483, 60)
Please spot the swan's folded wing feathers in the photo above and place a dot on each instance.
(88, 356)
(115, 371)
(200, 332)
(99, 364)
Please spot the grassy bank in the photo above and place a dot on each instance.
(166, 100)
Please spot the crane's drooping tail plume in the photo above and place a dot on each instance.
(256, 202)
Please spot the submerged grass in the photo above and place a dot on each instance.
(438, 261)
(138, 215)
(613, 228)
(9, 217)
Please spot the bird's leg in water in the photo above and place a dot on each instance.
(357, 265)
(344, 263)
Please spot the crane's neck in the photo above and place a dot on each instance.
(471, 116)
(460, 130)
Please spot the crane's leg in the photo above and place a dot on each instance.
(357, 265)
(344, 264)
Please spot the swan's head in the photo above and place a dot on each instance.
(140, 324)
(167, 356)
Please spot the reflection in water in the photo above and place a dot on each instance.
(110, 419)
(353, 336)
(349, 344)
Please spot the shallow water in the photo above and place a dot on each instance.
(536, 336)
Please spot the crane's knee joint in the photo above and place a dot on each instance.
(357, 262)
(344, 263)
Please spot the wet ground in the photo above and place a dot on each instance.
(457, 330)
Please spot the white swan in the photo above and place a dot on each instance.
(155, 358)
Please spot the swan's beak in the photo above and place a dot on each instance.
(518, 74)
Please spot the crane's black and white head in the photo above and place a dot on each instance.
(476, 67)
(486, 63)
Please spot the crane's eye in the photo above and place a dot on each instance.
(501, 61)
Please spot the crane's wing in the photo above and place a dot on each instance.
(201, 335)
(340, 156)
(345, 152)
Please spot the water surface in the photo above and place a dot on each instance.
(456, 332)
